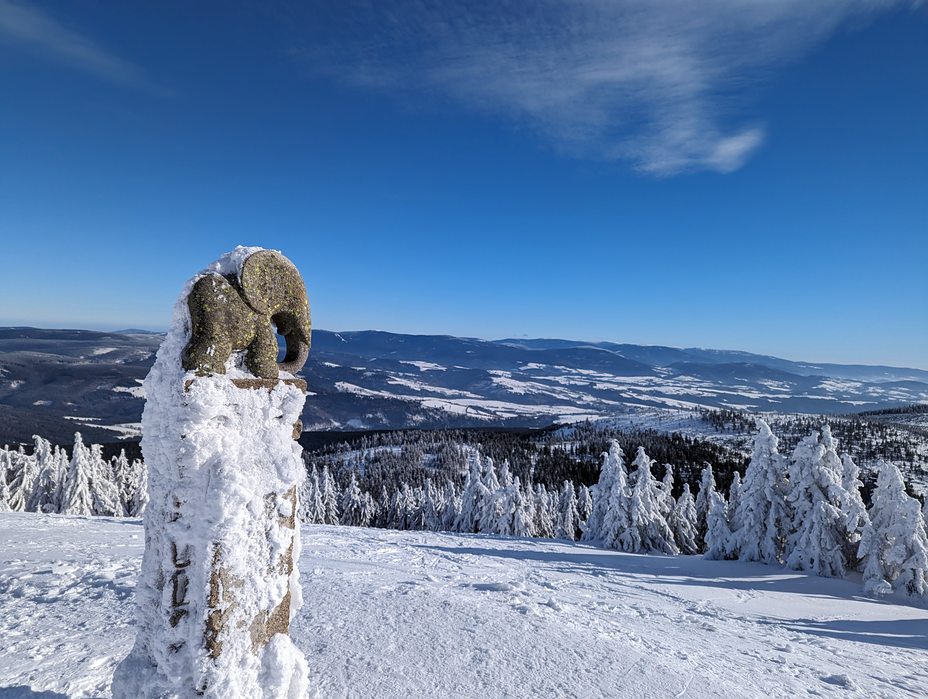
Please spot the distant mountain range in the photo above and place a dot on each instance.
(55, 381)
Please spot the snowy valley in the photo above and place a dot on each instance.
(399, 614)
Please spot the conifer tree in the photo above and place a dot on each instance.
(609, 515)
(451, 507)
(78, 497)
(718, 534)
(855, 510)
(703, 501)
(352, 503)
(894, 543)
(761, 522)
(568, 521)
(44, 496)
(24, 474)
(584, 505)
(106, 501)
(544, 522)
(819, 534)
(329, 496)
(683, 522)
(647, 529)
(468, 520)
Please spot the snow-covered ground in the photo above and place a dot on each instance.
(401, 614)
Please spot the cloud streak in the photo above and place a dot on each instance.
(30, 27)
(664, 85)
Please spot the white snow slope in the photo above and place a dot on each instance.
(410, 614)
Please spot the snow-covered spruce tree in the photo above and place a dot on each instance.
(451, 507)
(352, 502)
(138, 500)
(609, 514)
(311, 506)
(718, 535)
(683, 522)
(761, 520)
(122, 477)
(703, 501)
(523, 511)
(568, 519)
(329, 496)
(584, 505)
(855, 510)
(44, 497)
(368, 511)
(734, 496)
(106, 501)
(543, 521)
(4, 486)
(468, 520)
(665, 492)
(647, 529)
(77, 498)
(24, 471)
(818, 536)
(491, 504)
(6, 466)
(894, 543)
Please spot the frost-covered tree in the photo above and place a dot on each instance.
(543, 520)
(106, 501)
(718, 534)
(703, 501)
(568, 518)
(45, 489)
(683, 522)
(609, 515)
(368, 511)
(78, 497)
(647, 529)
(6, 467)
(352, 503)
(24, 471)
(816, 499)
(584, 505)
(4, 486)
(329, 491)
(311, 506)
(734, 496)
(451, 507)
(761, 522)
(137, 489)
(122, 477)
(523, 511)
(855, 510)
(468, 520)
(666, 500)
(894, 543)
(493, 494)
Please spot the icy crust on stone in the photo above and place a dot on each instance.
(221, 463)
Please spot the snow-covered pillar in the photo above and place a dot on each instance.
(219, 582)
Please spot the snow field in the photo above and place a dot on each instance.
(400, 614)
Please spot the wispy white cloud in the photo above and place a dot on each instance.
(662, 84)
(34, 29)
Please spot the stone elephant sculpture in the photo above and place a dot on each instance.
(230, 314)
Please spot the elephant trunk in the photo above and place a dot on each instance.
(296, 334)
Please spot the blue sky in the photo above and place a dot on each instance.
(726, 174)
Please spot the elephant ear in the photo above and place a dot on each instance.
(270, 283)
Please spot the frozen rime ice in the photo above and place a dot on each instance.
(221, 464)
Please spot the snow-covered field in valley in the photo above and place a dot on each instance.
(418, 614)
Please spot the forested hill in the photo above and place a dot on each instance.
(53, 381)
